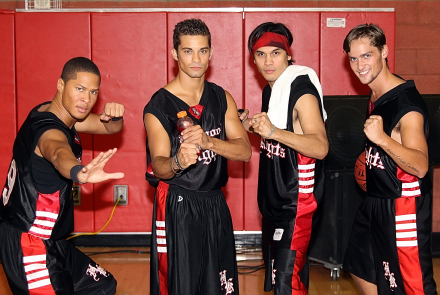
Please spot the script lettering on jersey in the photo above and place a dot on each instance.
(207, 156)
(214, 132)
(272, 150)
(374, 160)
(12, 175)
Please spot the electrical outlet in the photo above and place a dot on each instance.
(76, 195)
(121, 190)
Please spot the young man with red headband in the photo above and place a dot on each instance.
(293, 144)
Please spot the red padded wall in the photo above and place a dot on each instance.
(7, 91)
(226, 70)
(305, 50)
(130, 49)
(44, 43)
(337, 78)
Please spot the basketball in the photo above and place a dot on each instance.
(359, 172)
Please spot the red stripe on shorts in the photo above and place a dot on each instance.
(302, 230)
(34, 261)
(161, 200)
(406, 239)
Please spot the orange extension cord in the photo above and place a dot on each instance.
(90, 234)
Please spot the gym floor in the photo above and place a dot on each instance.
(131, 268)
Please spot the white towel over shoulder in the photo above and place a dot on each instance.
(279, 99)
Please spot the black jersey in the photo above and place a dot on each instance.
(210, 172)
(284, 173)
(48, 214)
(384, 178)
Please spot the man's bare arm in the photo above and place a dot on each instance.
(236, 148)
(312, 142)
(103, 123)
(411, 154)
(54, 147)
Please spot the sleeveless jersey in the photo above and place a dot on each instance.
(284, 173)
(384, 178)
(210, 172)
(48, 214)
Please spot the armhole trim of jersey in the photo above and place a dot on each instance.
(160, 117)
(407, 110)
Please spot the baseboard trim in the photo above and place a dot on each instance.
(242, 239)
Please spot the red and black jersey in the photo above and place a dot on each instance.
(284, 173)
(384, 178)
(37, 199)
(210, 172)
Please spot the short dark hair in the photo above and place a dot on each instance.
(277, 28)
(79, 64)
(370, 31)
(190, 27)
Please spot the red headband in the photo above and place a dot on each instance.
(272, 39)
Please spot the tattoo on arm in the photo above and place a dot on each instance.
(402, 161)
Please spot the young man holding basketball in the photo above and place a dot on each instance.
(293, 144)
(389, 249)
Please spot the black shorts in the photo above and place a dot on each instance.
(36, 266)
(193, 246)
(287, 266)
(390, 245)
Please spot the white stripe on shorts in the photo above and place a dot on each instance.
(38, 275)
(306, 190)
(162, 249)
(34, 258)
(306, 174)
(46, 214)
(34, 266)
(306, 167)
(410, 184)
(406, 243)
(411, 193)
(405, 217)
(406, 234)
(39, 284)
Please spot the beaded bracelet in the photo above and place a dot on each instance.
(177, 163)
(172, 167)
(270, 133)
